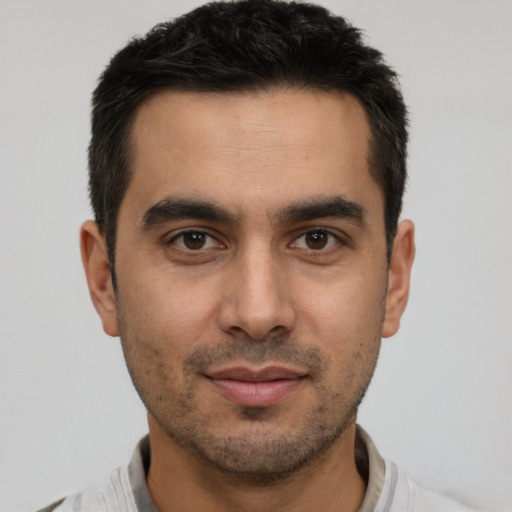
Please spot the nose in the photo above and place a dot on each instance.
(257, 297)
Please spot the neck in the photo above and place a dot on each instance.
(179, 480)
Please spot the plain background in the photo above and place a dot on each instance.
(441, 401)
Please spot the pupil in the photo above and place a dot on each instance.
(194, 240)
(316, 240)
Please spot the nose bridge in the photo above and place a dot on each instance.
(256, 301)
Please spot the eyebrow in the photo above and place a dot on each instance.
(336, 207)
(173, 209)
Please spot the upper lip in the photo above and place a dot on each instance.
(246, 374)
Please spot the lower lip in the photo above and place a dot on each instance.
(256, 394)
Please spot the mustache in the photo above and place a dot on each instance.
(276, 350)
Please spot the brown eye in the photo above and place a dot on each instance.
(316, 239)
(194, 240)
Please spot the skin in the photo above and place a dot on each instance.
(260, 284)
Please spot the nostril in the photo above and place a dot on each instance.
(278, 330)
(257, 335)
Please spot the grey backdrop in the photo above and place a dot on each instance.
(441, 401)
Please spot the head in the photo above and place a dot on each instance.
(247, 168)
(244, 46)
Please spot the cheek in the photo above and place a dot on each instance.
(345, 304)
(345, 318)
(168, 312)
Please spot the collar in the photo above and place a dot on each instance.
(369, 463)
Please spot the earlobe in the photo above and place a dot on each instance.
(97, 271)
(399, 277)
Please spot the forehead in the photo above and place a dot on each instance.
(261, 147)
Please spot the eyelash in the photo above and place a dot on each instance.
(182, 234)
(331, 241)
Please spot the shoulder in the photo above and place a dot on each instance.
(123, 491)
(429, 501)
(412, 497)
(114, 495)
(52, 507)
(390, 489)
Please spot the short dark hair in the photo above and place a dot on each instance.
(239, 46)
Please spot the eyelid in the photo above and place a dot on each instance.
(182, 232)
(335, 239)
(339, 240)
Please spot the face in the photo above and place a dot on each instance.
(252, 274)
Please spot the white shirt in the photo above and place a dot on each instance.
(388, 489)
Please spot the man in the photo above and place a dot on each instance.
(247, 167)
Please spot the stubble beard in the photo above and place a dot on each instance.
(259, 454)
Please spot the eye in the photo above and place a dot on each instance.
(195, 241)
(316, 240)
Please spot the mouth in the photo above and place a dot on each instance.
(250, 387)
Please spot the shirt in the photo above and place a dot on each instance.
(388, 488)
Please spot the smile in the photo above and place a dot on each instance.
(259, 388)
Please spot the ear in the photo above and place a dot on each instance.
(400, 266)
(99, 279)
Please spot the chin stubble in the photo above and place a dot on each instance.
(259, 456)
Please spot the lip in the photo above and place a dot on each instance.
(256, 387)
